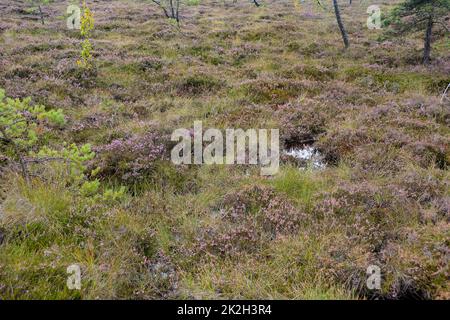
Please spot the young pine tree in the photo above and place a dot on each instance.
(21, 123)
(421, 15)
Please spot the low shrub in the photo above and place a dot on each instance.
(131, 159)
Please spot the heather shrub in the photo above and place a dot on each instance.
(257, 35)
(344, 95)
(424, 185)
(317, 73)
(21, 72)
(131, 159)
(311, 49)
(250, 218)
(406, 267)
(406, 127)
(163, 275)
(300, 124)
(338, 143)
(433, 151)
(375, 214)
(416, 268)
(88, 126)
(277, 91)
(273, 213)
(243, 52)
(229, 241)
(206, 54)
(376, 223)
(248, 116)
(198, 84)
(375, 159)
(150, 64)
(431, 108)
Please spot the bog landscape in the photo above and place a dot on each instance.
(93, 205)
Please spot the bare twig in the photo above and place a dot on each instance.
(23, 165)
(162, 7)
(444, 95)
(40, 160)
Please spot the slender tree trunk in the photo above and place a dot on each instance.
(23, 167)
(41, 14)
(172, 9)
(340, 24)
(427, 42)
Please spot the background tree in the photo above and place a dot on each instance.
(171, 8)
(37, 5)
(337, 13)
(341, 24)
(421, 15)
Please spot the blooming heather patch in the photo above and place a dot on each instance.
(131, 159)
(250, 218)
